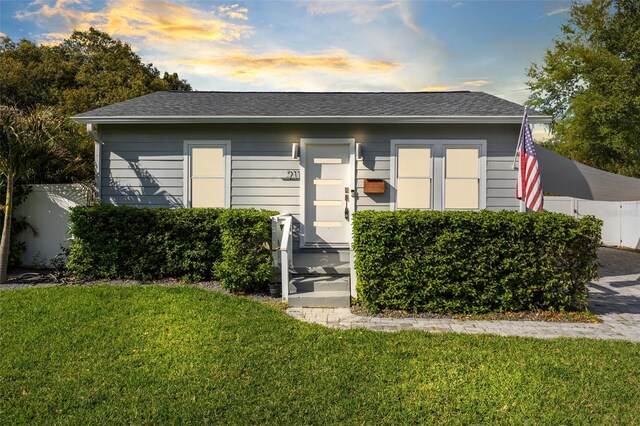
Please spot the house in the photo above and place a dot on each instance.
(316, 156)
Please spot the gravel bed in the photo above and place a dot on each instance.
(43, 278)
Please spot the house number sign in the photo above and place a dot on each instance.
(292, 175)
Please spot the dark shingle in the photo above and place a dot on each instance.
(310, 104)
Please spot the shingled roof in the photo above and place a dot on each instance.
(311, 106)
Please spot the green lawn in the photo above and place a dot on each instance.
(157, 355)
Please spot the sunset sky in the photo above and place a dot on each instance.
(325, 46)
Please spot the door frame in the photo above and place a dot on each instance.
(351, 142)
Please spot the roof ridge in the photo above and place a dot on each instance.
(318, 93)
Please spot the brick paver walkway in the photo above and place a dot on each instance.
(615, 298)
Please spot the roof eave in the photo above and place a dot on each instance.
(438, 119)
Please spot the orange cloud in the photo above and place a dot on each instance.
(166, 21)
(247, 67)
(475, 83)
(436, 88)
(464, 84)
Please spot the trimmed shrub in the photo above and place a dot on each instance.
(246, 252)
(473, 262)
(191, 242)
(143, 243)
(121, 242)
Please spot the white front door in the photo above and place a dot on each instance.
(327, 195)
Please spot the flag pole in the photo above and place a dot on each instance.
(515, 156)
(521, 206)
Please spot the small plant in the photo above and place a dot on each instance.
(58, 266)
(19, 225)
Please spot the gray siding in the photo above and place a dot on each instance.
(142, 164)
(137, 170)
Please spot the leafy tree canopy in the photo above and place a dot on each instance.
(589, 81)
(86, 71)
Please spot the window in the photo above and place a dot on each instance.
(438, 174)
(462, 178)
(413, 185)
(207, 168)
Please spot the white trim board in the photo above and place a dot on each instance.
(97, 150)
(352, 167)
(186, 174)
(445, 119)
(438, 147)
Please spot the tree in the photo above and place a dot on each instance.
(71, 156)
(88, 70)
(25, 139)
(176, 83)
(589, 82)
(107, 71)
(31, 75)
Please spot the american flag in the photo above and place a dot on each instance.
(529, 187)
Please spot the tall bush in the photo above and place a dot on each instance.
(474, 261)
(143, 243)
(190, 241)
(246, 252)
(120, 242)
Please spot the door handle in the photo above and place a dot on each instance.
(346, 202)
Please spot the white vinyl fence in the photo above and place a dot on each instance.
(47, 209)
(621, 219)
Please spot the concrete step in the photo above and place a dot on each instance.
(321, 261)
(318, 283)
(320, 299)
(326, 291)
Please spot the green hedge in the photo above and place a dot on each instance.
(464, 262)
(246, 251)
(120, 242)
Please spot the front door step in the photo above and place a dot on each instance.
(321, 262)
(325, 299)
(324, 291)
(318, 283)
